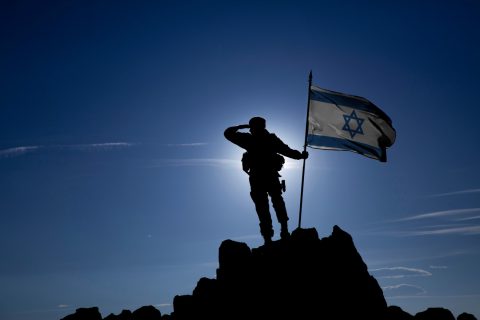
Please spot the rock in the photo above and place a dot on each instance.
(85, 314)
(466, 316)
(435, 314)
(396, 313)
(146, 313)
(302, 277)
(124, 315)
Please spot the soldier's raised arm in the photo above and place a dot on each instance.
(239, 138)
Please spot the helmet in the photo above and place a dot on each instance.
(257, 123)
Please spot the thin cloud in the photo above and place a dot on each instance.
(443, 226)
(469, 230)
(438, 267)
(399, 272)
(434, 231)
(456, 222)
(469, 218)
(454, 193)
(444, 213)
(209, 162)
(162, 305)
(21, 150)
(193, 144)
(411, 259)
(196, 162)
(17, 151)
(403, 290)
(97, 146)
(462, 296)
(62, 306)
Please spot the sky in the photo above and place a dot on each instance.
(117, 185)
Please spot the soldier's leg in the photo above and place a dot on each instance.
(260, 199)
(279, 206)
(261, 205)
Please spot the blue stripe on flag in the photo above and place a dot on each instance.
(350, 101)
(324, 142)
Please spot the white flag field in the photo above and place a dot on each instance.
(338, 121)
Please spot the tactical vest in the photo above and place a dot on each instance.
(273, 162)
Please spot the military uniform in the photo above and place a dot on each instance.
(262, 162)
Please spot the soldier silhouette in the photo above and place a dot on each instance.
(262, 161)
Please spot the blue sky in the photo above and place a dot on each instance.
(117, 185)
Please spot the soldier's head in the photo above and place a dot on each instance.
(257, 125)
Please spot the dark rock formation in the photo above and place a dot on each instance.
(396, 313)
(299, 278)
(435, 313)
(466, 316)
(143, 313)
(303, 277)
(147, 313)
(85, 314)
(124, 315)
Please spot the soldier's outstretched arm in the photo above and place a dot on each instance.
(289, 152)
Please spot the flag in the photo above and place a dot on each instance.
(338, 121)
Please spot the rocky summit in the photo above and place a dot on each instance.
(301, 277)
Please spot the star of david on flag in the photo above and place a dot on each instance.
(338, 121)
(347, 127)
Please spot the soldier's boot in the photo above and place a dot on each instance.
(267, 232)
(284, 234)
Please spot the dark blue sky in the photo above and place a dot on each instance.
(117, 185)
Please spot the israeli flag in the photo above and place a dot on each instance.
(338, 121)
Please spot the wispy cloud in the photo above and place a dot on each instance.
(435, 230)
(460, 296)
(21, 150)
(454, 193)
(163, 305)
(468, 218)
(438, 267)
(417, 258)
(403, 290)
(193, 144)
(468, 230)
(444, 213)
(195, 162)
(96, 146)
(453, 222)
(209, 162)
(399, 272)
(62, 306)
(17, 151)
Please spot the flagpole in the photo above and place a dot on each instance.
(305, 149)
